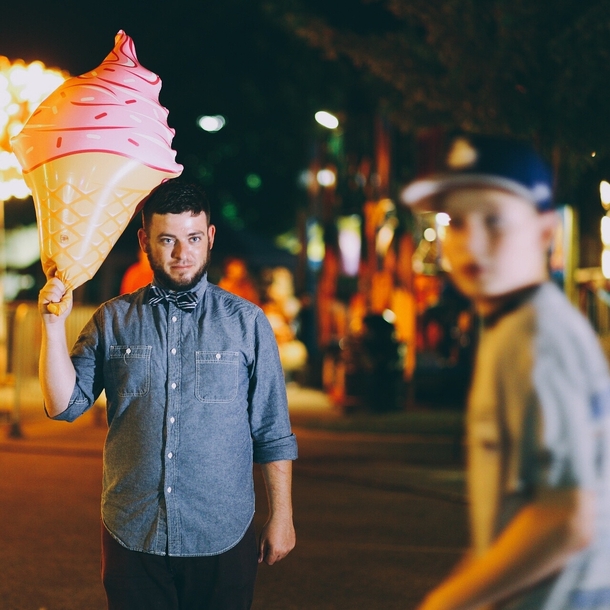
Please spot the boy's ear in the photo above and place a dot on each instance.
(549, 222)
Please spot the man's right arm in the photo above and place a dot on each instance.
(56, 372)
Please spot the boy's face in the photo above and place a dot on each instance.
(495, 244)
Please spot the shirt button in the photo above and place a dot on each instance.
(174, 318)
(170, 455)
(128, 350)
(217, 356)
(173, 386)
(169, 490)
(172, 420)
(173, 350)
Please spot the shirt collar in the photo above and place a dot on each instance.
(510, 304)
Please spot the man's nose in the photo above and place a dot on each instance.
(178, 250)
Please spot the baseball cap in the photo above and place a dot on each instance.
(471, 160)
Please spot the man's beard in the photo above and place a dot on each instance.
(166, 281)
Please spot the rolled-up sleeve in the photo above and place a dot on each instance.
(269, 420)
(274, 451)
(87, 365)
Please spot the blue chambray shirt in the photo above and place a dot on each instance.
(193, 398)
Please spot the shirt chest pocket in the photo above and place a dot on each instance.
(130, 369)
(216, 376)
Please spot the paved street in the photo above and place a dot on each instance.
(374, 531)
(362, 548)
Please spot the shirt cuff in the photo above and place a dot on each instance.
(274, 451)
(76, 407)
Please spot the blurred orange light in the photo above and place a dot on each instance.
(22, 88)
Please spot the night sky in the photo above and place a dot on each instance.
(213, 57)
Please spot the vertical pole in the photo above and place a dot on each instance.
(572, 250)
(20, 341)
(3, 323)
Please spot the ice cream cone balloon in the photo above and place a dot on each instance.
(90, 153)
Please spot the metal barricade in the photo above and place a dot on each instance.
(26, 337)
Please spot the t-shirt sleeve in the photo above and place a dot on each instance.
(562, 421)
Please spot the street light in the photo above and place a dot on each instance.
(326, 177)
(326, 119)
(22, 89)
(210, 123)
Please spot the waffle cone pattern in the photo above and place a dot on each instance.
(83, 204)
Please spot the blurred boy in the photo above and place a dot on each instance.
(539, 404)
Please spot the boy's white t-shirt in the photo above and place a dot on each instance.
(539, 418)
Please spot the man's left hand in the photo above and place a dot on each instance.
(277, 539)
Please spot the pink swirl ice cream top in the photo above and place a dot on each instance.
(114, 108)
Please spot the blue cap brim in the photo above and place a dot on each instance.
(422, 195)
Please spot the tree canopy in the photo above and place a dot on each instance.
(521, 67)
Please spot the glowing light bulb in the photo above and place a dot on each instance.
(326, 119)
(326, 177)
(443, 219)
(606, 264)
(605, 230)
(604, 194)
(211, 124)
(430, 234)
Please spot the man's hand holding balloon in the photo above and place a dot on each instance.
(52, 294)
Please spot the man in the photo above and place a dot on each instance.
(195, 394)
(539, 405)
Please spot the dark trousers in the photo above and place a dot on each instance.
(141, 581)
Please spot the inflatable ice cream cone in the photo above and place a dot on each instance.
(90, 153)
(80, 221)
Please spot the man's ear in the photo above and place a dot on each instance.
(143, 239)
(211, 234)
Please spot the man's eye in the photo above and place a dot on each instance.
(196, 238)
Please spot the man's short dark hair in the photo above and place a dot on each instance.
(175, 196)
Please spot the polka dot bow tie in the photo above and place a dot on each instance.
(184, 300)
